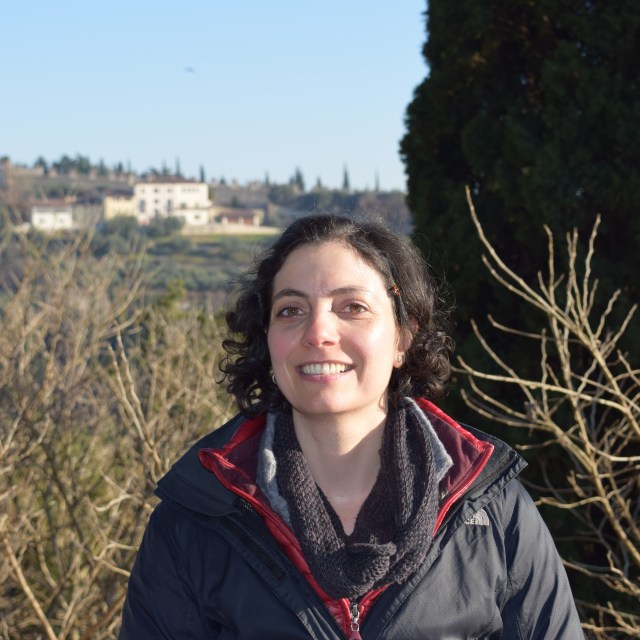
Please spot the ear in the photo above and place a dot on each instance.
(405, 339)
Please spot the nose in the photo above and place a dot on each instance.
(320, 328)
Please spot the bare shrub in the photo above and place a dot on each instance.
(585, 401)
(99, 392)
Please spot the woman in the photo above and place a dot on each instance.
(341, 503)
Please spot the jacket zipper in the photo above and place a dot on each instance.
(355, 620)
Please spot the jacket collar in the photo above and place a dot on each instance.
(476, 457)
(192, 486)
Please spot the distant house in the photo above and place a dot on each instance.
(52, 216)
(118, 204)
(175, 197)
(235, 216)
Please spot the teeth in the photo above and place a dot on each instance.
(324, 368)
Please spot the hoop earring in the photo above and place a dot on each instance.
(273, 379)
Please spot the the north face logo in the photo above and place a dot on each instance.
(480, 518)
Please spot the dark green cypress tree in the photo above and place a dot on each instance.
(535, 106)
(346, 184)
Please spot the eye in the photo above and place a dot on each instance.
(289, 311)
(355, 308)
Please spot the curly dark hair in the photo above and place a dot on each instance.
(418, 307)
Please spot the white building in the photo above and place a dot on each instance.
(184, 199)
(52, 217)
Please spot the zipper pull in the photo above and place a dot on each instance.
(355, 624)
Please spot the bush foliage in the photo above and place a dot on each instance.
(99, 392)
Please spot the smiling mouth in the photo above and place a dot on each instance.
(324, 368)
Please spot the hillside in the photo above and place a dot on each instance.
(84, 184)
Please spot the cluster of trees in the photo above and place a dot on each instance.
(123, 234)
(389, 206)
(297, 181)
(534, 107)
(79, 164)
(82, 166)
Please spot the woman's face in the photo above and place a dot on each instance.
(332, 334)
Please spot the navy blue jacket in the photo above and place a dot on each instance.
(208, 566)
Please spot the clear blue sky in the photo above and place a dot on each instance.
(243, 88)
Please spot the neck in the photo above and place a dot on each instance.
(343, 456)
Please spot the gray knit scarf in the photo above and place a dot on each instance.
(394, 528)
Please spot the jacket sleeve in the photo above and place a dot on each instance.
(160, 603)
(540, 605)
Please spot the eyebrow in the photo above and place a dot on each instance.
(340, 291)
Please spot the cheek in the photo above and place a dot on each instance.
(277, 348)
(382, 340)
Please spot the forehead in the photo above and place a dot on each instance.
(330, 261)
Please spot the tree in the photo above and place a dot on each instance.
(160, 227)
(101, 169)
(41, 163)
(298, 180)
(119, 235)
(82, 164)
(124, 226)
(202, 174)
(346, 186)
(535, 106)
(583, 403)
(64, 165)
